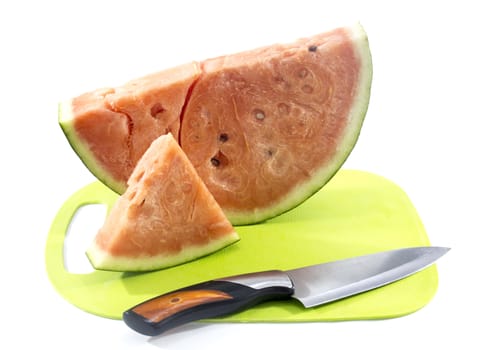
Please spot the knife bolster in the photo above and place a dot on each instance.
(261, 280)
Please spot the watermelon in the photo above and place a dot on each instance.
(264, 129)
(165, 217)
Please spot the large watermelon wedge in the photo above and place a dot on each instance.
(167, 216)
(265, 129)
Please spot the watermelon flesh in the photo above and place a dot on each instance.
(166, 216)
(264, 129)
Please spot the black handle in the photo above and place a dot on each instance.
(204, 300)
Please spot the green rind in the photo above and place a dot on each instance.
(83, 151)
(356, 117)
(103, 260)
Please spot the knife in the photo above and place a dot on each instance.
(312, 286)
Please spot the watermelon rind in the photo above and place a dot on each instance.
(81, 148)
(103, 260)
(347, 142)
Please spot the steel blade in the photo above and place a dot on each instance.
(323, 283)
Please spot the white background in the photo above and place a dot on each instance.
(422, 131)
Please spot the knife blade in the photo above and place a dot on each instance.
(312, 285)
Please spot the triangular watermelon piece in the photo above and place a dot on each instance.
(166, 217)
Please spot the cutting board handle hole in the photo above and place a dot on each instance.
(82, 229)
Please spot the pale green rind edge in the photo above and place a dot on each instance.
(102, 260)
(65, 118)
(356, 117)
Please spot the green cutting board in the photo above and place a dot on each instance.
(355, 213)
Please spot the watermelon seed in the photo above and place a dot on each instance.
(215, 161)
(219, 159)
(312, 48)
(259, 114)
(156, 109)
(223, 137)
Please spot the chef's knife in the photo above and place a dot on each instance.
(312, 285)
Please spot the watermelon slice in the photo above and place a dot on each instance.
(265, 128)
(166, 216)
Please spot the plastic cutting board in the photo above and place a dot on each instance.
(355, 213)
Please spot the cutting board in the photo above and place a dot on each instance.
(355, 213)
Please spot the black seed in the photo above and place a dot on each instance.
(223, 137)
(156, 109)
(312, 48)
(215, 162)
(269, 152)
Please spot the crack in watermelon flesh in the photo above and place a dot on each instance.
(265, 128)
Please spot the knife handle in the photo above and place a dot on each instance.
(205, 300)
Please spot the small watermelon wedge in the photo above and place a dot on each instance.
(166, 216)
(265, 129)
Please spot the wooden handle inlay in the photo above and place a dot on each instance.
(160, 308)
